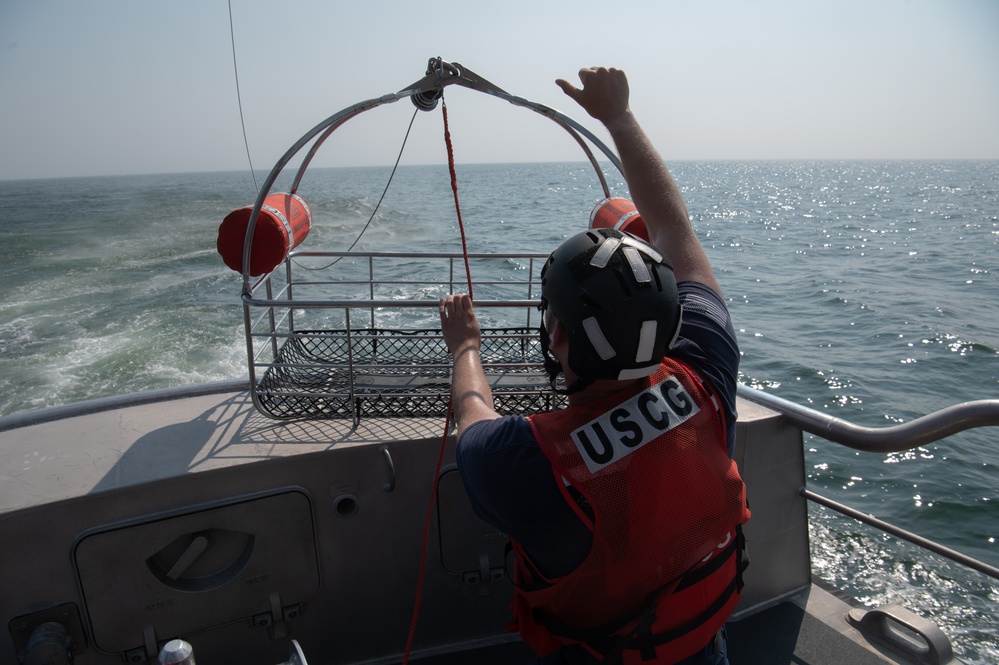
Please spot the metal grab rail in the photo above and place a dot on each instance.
(899, 532)
(933, 427)
(897, 438)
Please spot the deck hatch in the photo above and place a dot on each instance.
(190, 572)
(470, 548)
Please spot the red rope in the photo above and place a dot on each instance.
(454, 189)
(426, 541)
(447, 421)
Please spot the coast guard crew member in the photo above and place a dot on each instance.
(624, 509)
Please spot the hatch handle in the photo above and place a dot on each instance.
(390, 469)
(901, 629)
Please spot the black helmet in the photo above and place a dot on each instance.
(616, 298)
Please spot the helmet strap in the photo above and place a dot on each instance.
(553, 367)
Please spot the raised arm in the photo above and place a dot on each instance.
(605, 95)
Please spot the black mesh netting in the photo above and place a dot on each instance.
(396, 373)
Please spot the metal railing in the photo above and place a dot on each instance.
(897, 438)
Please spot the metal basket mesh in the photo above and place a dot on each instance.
(396, 373)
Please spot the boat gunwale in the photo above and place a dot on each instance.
(49, 414)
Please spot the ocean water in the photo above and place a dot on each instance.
(867, 290)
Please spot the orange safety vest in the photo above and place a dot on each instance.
(664, 571)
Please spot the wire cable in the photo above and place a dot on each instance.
(374, 212)
(239, 100)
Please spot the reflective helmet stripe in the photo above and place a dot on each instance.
(604, 253)
(643, 248)
(606, 250)
(646, 341)
(597, 339)
(638, 268)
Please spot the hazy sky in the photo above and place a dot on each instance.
(145, 86)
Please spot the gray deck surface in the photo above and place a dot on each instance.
(112, 447)
(800, 631)
(781, 635)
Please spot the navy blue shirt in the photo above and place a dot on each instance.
(510, 481)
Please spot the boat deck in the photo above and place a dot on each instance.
(808, 630)
(95, 496)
